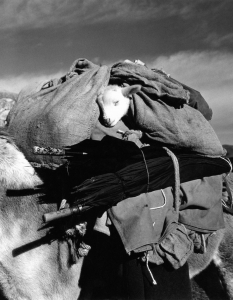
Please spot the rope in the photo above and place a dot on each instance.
(149, 270)
(161, 206)
(228, 161)
(147, 171)
(177, 177)
(203, 242)
(229, 192)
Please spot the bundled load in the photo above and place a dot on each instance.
(182, 162)
(64, 112)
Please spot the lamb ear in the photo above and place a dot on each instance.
(130, 90)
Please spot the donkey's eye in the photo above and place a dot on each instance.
(116, 103)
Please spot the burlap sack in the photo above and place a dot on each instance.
(60, 115)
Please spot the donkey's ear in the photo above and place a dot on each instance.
(130, 90)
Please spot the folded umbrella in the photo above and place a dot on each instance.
(114, 170)
(145, 176)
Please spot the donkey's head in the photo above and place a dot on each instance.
(15, 171)
(114, 102)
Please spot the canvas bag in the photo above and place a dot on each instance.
(60, 115)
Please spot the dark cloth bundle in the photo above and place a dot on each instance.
(140, 226)
(117, 170)
(167, 112)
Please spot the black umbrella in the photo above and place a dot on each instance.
(145, 176)
(129, 171)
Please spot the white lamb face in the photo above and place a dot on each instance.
(114, 103)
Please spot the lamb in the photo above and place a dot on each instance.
(114, 102)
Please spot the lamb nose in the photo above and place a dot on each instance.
(107, 121)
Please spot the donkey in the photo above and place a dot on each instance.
(219, 256)
(34, 264)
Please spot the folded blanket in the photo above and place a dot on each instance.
(164, 111)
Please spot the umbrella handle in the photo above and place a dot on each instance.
(63, 213)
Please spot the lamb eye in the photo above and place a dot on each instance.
(116, 103)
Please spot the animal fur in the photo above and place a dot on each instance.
(30, 267)
(15, 171)
(40, 271)
(114, 103)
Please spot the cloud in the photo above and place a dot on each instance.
(211, 74)
(16, 14)
(217, 40)
(16, 84)
(34, 13)
(206, 69)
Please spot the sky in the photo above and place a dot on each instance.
(192, 40)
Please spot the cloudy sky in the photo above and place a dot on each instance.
(190, 39)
